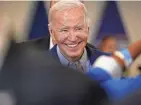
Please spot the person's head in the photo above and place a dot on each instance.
(68, 26)
(108, 44)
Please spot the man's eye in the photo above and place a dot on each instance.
(64, 30)
(79, 29)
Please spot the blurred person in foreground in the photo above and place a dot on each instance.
(30, 76)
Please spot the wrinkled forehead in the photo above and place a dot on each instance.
(69, 14)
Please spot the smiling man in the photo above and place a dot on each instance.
(69, 27)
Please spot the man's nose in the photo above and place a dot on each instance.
(72, 36)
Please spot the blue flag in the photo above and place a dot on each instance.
(111, 23)
(39, 24)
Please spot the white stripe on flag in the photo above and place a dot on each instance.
(95, 10)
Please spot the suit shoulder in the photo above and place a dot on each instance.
(40, 43)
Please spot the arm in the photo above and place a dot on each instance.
(135, 49)
(125, 57)
(118, 61)
(118, 89)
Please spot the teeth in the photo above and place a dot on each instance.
(73, 45)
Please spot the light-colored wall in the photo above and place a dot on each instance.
(19, 12)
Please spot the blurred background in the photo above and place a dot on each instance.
(27, 20)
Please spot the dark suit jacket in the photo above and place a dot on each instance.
(40, 43)
(36, 78)
(93, 53)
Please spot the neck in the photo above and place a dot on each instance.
(72, 59)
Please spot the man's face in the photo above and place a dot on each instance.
(70, 31)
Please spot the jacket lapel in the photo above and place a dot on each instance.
(54, 52)
(94, 53)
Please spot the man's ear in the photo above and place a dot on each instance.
(51, 34)
(50, 31)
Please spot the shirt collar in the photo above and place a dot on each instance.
(65, 62)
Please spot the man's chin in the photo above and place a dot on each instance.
(74, 56)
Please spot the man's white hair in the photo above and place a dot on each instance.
(67, 4)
